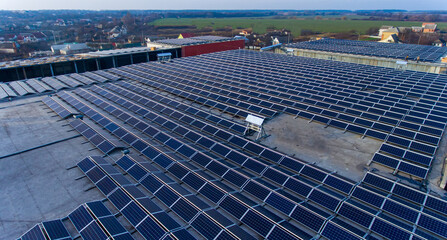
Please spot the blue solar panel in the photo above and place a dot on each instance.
(401, 211)
(389, 231)
(112, 226)
(34, 234)
(257, 190)
(282, 204)
(106, 185)
(368, 197)
(151, 183)
(324, 199)
(184, 210)
(80, 218)
(206, 227)
(414, 170)
(338, 184)
(166, 220)
(149, 229)
(378, 182)
(166, 195)
(133, 213)
(331, 231)
(307, 218)
(55, 229)
(356, 215)
(257, 223)
(313, 173)
(93, 232)
(212, 193)
(119, 198)
(193, 181)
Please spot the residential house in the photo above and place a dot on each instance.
(40, 36)
(72, 48)
(439, 43)
(429, 27)
(388, 32)
(417, 29)
(383, 28)
(26, 38)
(8, 47)
(393, 38)
(117, 31)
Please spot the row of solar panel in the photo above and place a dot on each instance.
(208, 129)
(430, 93)
(140, 142)
(360, 99)
(310, 85)
(49, 84)
(57, 107)
(412, 195)
(237, 108)
(366, 115)
(413, 52)
(170, 104)
(163, 161)
(390, 205)
(414, 157)
(354, 78)
(315, 196)
(368, 123)
(93, 221)
(104, 144)
(140, 211)
(177, 198)
(156, 159)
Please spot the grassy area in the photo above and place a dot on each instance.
(260, 25)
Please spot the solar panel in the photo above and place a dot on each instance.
(206, 227)
(93, 231)
(149, 229)
(55, 229)
(80, 218)
(34, 233)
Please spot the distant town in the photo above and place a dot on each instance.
(31, 34)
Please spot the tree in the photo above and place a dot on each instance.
(128, 19)
(372, 30)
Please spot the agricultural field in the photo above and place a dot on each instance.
(260, 25)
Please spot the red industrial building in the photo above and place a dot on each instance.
(200, 45)
(194, 50)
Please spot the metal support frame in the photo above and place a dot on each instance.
(255, 124)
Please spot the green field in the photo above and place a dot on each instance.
(260, 25)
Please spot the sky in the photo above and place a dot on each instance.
(223, 4)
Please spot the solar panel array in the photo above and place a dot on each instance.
(53, 84)
(212, 38)
(92, 220)
(406, 110)
(387, 50)
(191, 173)
(182, 41)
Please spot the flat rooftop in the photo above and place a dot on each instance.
(74, 57)
(411, 52)
(352, 150)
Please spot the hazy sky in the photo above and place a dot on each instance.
(223, 4)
